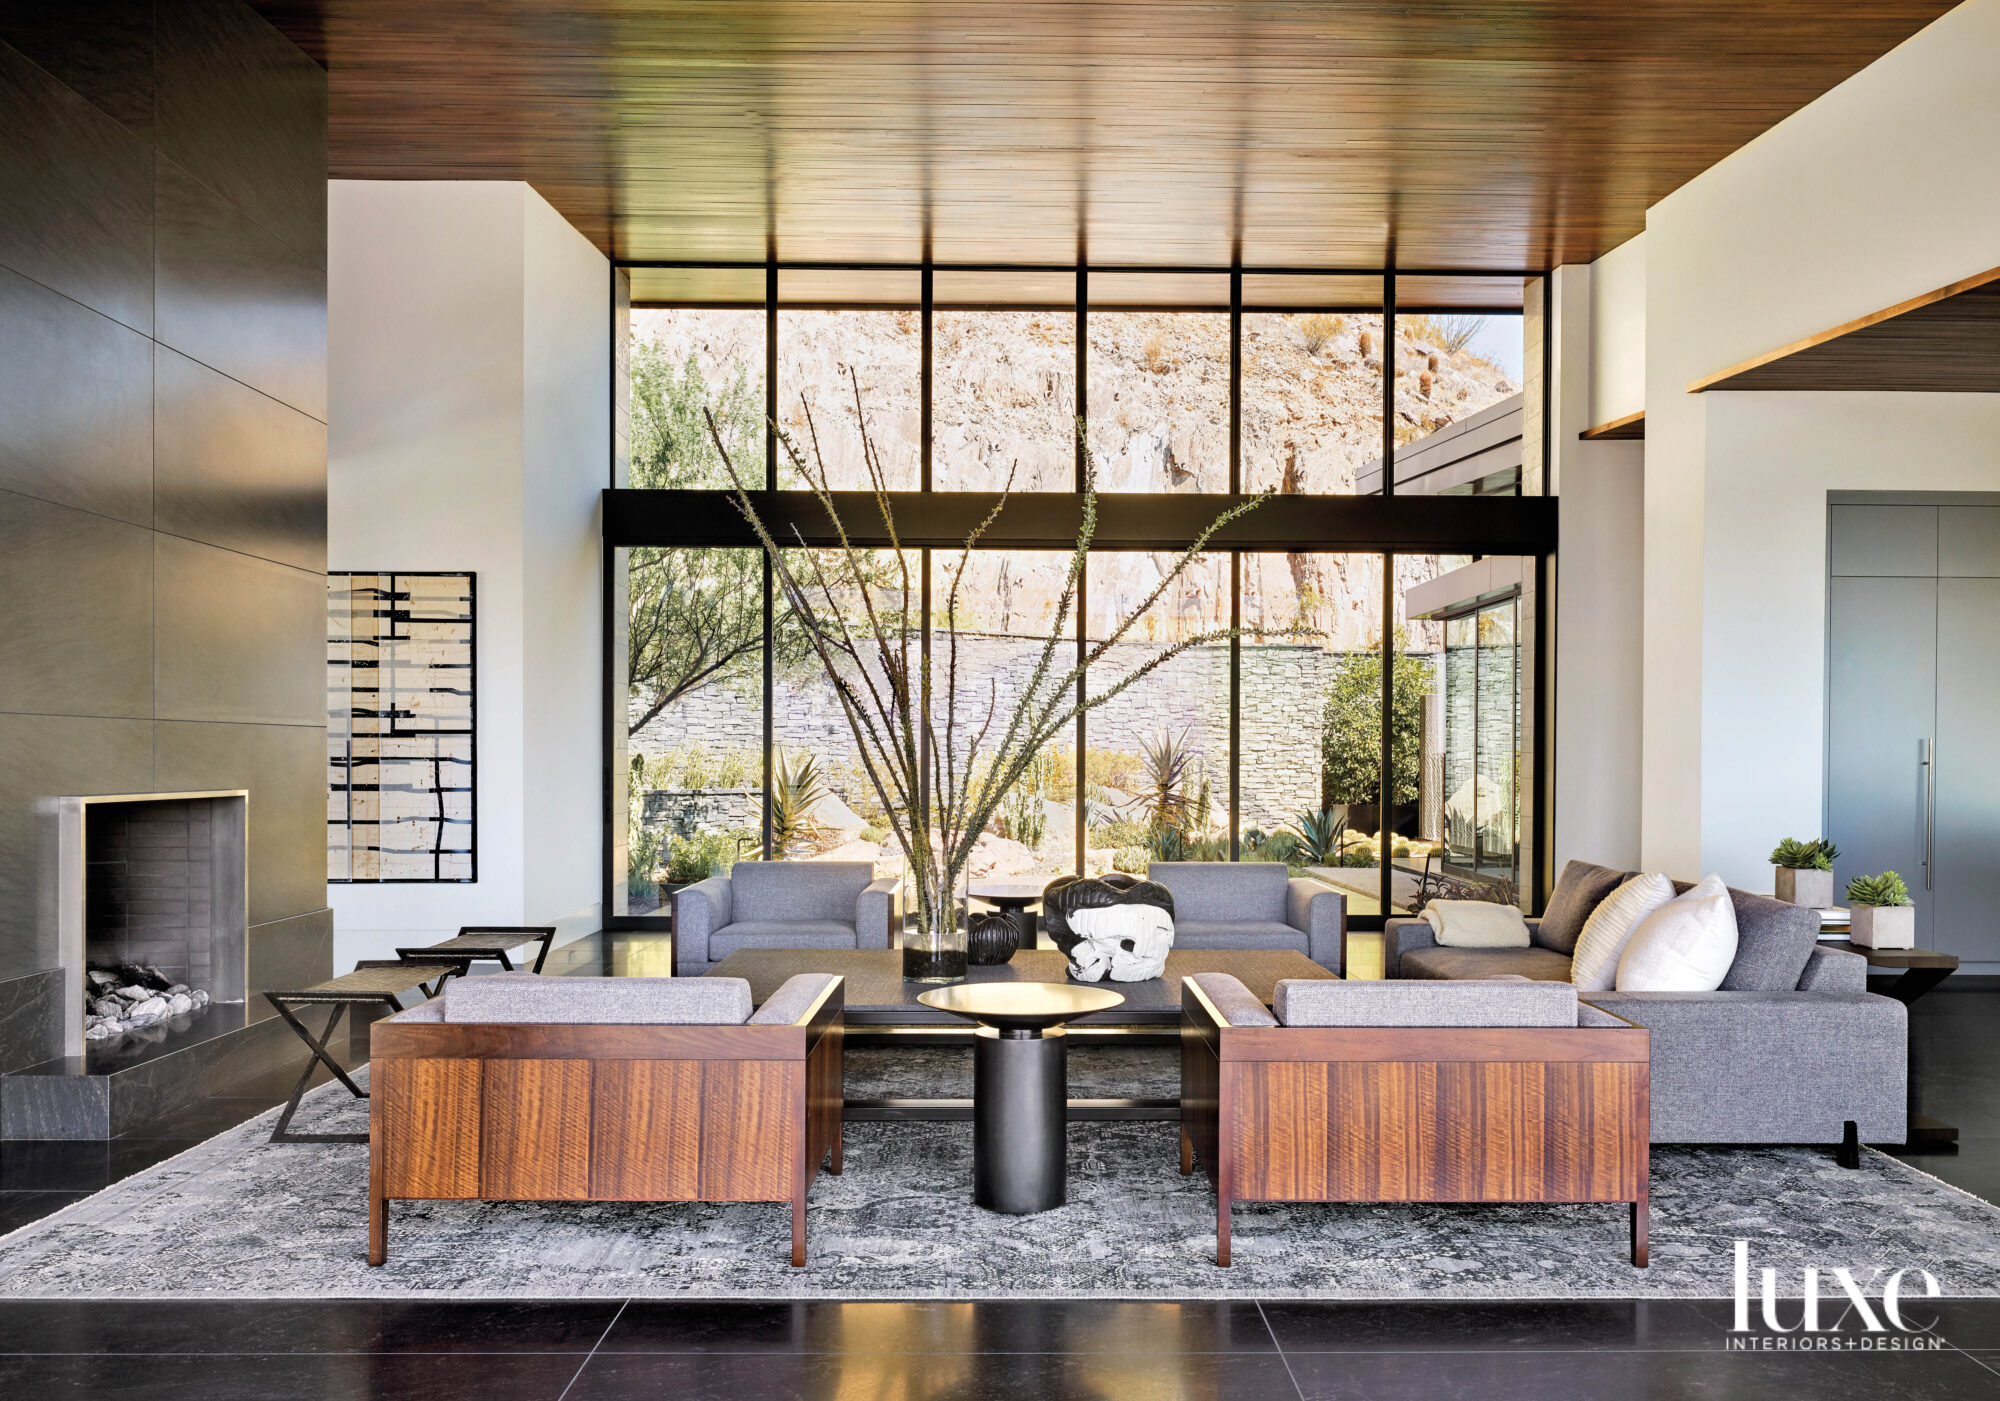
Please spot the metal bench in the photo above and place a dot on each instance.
(375, 982)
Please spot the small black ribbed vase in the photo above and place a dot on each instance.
(991, 939)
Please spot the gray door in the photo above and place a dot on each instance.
(1966, 834)
(1882, 654)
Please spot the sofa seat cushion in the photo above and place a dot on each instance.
(779, 934)
(1542, 965)
(527, 998)
(1328, 1002)
(1238, 934)
(1581, 889)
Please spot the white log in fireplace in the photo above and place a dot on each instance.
(159, 879)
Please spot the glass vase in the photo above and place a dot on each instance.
(934, 946)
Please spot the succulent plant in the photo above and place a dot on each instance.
(1885, 889)
(1795, 855)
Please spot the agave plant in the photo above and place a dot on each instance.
(796, 793)
(1168, 767)
(1884, 889)
(1795, 855)
(1319, 835)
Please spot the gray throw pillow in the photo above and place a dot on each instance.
(1581, 889)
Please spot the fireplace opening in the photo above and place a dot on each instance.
(157, 933)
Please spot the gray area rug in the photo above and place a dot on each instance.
(239, 1217)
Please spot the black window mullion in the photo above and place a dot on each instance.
(1082, 407)
(770, 579)
(1235, 567)
(1385, 845)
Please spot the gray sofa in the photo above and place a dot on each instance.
(783, 905)
(1253, 905)
(1790, 1048)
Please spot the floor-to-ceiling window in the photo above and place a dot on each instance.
(1321, 733)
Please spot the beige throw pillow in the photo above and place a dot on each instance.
(1476, 924)
(1594, 965)
(1686, 945)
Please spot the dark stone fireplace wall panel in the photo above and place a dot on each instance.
(162, 448)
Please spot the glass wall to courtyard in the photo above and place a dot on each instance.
(1268, 745)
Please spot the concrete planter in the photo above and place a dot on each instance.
(1885, 926)
(1813, 889)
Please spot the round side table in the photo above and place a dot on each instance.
(1020, 1086)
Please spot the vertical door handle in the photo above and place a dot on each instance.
(1927, 761)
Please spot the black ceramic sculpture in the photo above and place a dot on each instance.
(1065, 894)
(991, 939)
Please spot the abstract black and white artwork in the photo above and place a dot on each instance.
(401, 778)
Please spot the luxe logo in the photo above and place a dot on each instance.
(1879, 1314)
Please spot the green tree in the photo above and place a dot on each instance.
(1351, 733)
(694, 615)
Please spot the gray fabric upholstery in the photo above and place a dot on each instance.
(526, 998)
(1773, 942)
(1224, 892)
(1581, 889)
(1402, 935)
(1321, 911)
(791, 1000)
(779, 934)
(1239, 934)
(1587, 1015)
(1237, 1004)
(1327, 1002)
(1834, 970)
(429, 1010)
(1542, 965)
(699, 910)
(1772, 1067)
(767, 891)
(878, 911)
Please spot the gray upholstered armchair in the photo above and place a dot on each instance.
(1253, 905)
(783, 905)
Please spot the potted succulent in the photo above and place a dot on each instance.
(1883, 918)
(1805, 872)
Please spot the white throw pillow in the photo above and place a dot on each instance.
(1476, 924)
(1686, 945)
(1594, 965)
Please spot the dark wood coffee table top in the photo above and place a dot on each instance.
(876, 993)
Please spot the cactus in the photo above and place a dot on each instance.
(1885, 889)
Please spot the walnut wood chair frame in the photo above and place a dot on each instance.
(545, 1112)
(1396, 1114)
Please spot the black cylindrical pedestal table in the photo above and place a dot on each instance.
(1020, 1120)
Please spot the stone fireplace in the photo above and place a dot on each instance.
(154, 900)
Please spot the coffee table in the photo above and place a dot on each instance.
(1020, 1086)
(1012, 898)
(881, 1007)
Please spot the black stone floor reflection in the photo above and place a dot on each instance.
(963, 1351)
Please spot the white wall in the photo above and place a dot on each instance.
(1618, 340)
(1886, 187)
(468, 378)
(1597, 583)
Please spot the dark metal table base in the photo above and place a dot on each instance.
(369, 985)
(1020, 1120)
(909, 1111)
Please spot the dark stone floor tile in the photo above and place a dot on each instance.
(1974, 1167)
(1448, 1326)
(997, 1326)
(246, 1377)
(763, 1376)
(304, 1326)
(1723, 1376)
(18, 1209)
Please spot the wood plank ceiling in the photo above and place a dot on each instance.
(1477, 134)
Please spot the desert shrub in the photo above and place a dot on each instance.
(1318, 329)
(1158, 360)
(1356, 856)
(1022, 818)
(1130, 859)
(796, 792)
(642, 855)
(701, 855)
(872, 833)
(1122, 832)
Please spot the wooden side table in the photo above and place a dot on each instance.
(1918, 971)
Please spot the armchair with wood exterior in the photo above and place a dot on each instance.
(1498, 1091)
(521, 1088)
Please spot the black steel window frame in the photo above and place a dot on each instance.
(1381, 524)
